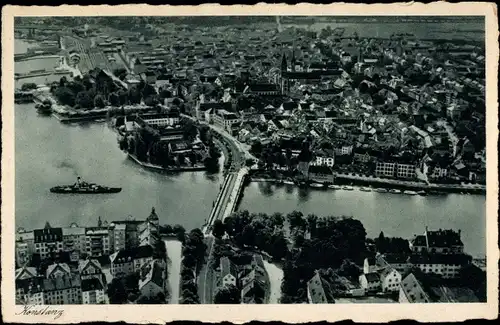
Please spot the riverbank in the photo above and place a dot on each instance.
(158, 168)
(344, 179)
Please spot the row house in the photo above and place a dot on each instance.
(441, 241)
(324, 158)
(225, 120)
(390, 169)
(152, 279)
(417, 289)
(48, 240)
(24, 247)
(319, 291)
(130, 260)
(446, 265)
(74, 241)
(98, 241)
(321, 174)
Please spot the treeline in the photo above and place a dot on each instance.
(336, 243)
(88, 93)
(256, 231)
(193, 256)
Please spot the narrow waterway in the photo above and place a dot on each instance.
(275, 274)
(174, 252)
(397, 215)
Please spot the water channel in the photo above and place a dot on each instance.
(49, 153)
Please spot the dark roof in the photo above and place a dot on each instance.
(288, 106)
(447, 259)
(444, 238)
(61, 283)
(320, 170)
(152, 272)
(372, 277)
(393, 258)
(263, 87)
(47, 235)
(329, 114)
(126, 255)
(302, 75)
(419, 241)
(36, 284)
(257, 260)
(207, 106)
(413, 290)
(320, 290)
(91, 284)
(227, 267)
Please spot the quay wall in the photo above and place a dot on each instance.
(163, 170)
(41, 78)
(389, 184)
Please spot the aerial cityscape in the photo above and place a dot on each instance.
(250, 160)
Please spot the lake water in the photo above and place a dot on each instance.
(48, 153)
(395, 214)
(466, 30)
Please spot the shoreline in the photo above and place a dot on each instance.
(387, 184)
(158, 168)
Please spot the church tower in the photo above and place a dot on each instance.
(153, 218)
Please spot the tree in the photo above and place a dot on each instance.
(312, 219)
(65, 96)
(277, 219)
(151, 100)
(114, 99)
(278, 246)
(116, 292)
(99, 101)
(295, 219)
(228, 295)
(256, 148)
(218, 229)
(121, 73)
(180, 232)
(134, 95)
(84, 100)
(28, 86)
(63, 81)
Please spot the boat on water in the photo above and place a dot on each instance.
(365, 189)
(316, 185)
(381, 190)
(348, 188)
(410, 192)
(288, 183)
(81, 187)
(334, 187)
(394, 191)
(422, 192)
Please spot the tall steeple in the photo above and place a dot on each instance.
(153, 217)
(284, 64)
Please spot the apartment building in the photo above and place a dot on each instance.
(385, 169)
(98, 241)
(130, 260)
(48, 240)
